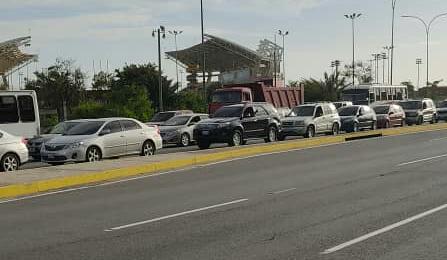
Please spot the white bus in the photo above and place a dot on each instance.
(19, 113)
(368, 94)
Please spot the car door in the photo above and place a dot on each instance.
(249, 122)
(320, 122)
(113, 139)
(262, 121)
(363, 117)
(133, 135)
(192, 124)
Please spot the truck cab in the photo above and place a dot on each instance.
(229, 96)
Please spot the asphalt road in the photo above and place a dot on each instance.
(372, 199)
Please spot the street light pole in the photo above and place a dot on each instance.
(427, 31)
(176, 33)
(384, 57)
(393, 5)
(161, 32)
(388, 49)
(203, 50)
(283, 34)
(353, 17)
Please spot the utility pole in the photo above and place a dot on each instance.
(176, 33)
(384, 57)
(418, 63)
(393, 5)
(203, 50)
(274, 63)
(353, 17)
(283, 35)
(161, 33)
(388, 49)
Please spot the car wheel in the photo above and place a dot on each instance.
(93, 154)
(203, 145)
(148, 149)
(272, 135)
(185, 140)
(433, 120)
(281, 137)
(335, 129)
(420, 120)
(236, 138)
(10, 162)
(310, 132)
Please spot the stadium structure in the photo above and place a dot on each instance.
(12, 59)
(227, 62)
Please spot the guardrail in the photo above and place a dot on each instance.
(77, 178)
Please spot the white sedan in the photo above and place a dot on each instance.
(13, 152)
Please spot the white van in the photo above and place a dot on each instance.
(19, 113)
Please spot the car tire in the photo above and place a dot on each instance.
(93, 154)
(203, 145)
(185, 140)
(148, 149)
(335, 129)
(420, 120)
(236, 139)
(433, 120)
(310, 133)
(9, 163)
(272, 135)
(281, 137)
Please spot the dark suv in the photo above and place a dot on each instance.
(355, 118)
(235, 124)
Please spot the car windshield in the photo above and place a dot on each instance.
(443, 104)
(348, 111)
(382, 110)
(177, 120)
(411, 104)
(162, 116)
(85, 128)
(227, 97)
(63, 127)
(231, 111)
(303, 111)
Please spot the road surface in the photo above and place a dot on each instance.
(372, 199)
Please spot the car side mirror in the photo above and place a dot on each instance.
(391, 113)
(105, 132)
(192, 123)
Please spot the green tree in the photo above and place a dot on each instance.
(131, 101)
(327, 89)
(362, 72)
(60, 87)
(147, 76)
(191, 100)
(102, 81)
(411, 89)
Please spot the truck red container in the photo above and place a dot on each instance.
(261, 91)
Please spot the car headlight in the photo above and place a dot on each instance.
(299, 123)
(75, 145)
(223, 125)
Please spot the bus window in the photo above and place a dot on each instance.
(8, 110)
(26, 108)
(383, 96)
(372, 97)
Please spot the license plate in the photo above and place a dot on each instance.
(205, 132)
(51, 156)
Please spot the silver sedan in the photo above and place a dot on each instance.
(179, 129)
(95, 139)
(13, 152)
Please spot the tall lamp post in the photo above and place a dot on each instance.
(384, 58)
(427, 31)
(160, 33)
(393, 5)
(388, 49)
(176, 33)
(353, 17)
(203, 49)
(419, 63)
(283, 34)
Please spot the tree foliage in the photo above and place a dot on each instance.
(60, 86)
(327, 89)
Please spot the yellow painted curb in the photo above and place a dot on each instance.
(17, 190)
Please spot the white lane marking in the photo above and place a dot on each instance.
(422, 160)
(438, 139)
(384, 230)
(282, 191)
(175, 215)
(197, 166)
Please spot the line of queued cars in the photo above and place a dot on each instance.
(90, 140)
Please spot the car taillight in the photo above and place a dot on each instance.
(157, 129)
(24, 141)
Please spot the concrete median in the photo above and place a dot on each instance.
(34, 181)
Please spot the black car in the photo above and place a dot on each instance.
(356, 118)
(235, 124)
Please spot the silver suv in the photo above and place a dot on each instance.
(311, 119)
(419, 111)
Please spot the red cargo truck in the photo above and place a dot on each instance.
(260, 91)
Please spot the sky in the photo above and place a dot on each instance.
(119, 32)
